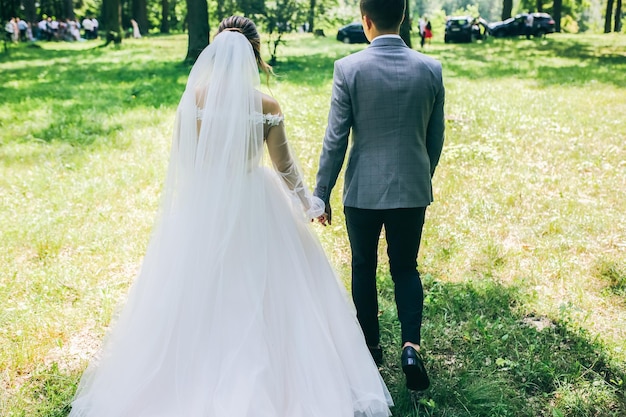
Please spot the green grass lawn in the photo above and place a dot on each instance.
(524, 251)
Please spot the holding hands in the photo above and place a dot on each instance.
(326, 217)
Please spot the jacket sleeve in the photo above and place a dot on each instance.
(436, 125)
(336, 137)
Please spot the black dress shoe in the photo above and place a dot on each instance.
(414, 370)
(377, 354)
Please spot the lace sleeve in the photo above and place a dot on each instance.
(273, 119)
(287, 168)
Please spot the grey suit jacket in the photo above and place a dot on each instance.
(391, 98)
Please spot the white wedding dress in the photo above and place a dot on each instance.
(236, 311)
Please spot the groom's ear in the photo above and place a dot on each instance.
(367, 22)
(368, 25)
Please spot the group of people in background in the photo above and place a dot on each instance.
(51, 29)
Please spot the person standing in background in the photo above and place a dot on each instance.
(428, 31)
(528, 24)
(136, 32)
(94, 27)
(88, 28)
(422, 29)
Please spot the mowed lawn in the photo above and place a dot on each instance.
(524, 251)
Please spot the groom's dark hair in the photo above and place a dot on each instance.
(387, 15)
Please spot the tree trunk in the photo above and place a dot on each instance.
(112, 17)
(539, 5)
(68, 5)
(312, 15)
(30, 11)
(556, 14)
(198, 21)
(5, 13)
(608, 16)
(140, 14)
(507, 9)
(405, 27)
(165, 16)
(618, 17)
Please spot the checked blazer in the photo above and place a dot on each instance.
(391, 99)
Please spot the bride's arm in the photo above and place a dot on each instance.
(200, 98)
(286, 166)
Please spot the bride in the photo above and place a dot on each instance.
(236, 311)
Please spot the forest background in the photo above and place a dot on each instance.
(276, 17)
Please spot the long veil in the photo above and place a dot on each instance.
(217, 138)
(217, 146)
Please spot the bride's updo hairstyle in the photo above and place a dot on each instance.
(247, 28)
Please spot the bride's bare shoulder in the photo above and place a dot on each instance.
(270, 105)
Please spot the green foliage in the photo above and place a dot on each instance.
(522, 255)
(488, 9)
(88, 8)
(335, 14)
(469, 10)
(280, 17)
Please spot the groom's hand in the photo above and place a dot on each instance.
(327, 216)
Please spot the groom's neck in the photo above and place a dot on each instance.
(372, 32)
(385, 32)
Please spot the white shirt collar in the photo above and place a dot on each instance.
(392, 36)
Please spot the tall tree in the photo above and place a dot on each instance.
(539, 6)
(617, 27)
(112, 16)
(140, 14)
(608, 16)
(405, 27)
(165, 16)
(507, 9)
(30, 10)
(557, 7)
(198, 21)
(68, 7)
(311, 16)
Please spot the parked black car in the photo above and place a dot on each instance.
(352, 33)
(465, 29)
(516, 26)
(458, 29)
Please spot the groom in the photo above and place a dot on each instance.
(392, 99)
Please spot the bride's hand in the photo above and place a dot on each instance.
(326, 217)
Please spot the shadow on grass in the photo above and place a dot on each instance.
(486, 357)
(80, 96)
(83, 94)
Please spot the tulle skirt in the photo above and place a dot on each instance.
(250, 323)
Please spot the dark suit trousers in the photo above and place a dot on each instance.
(403, 231)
